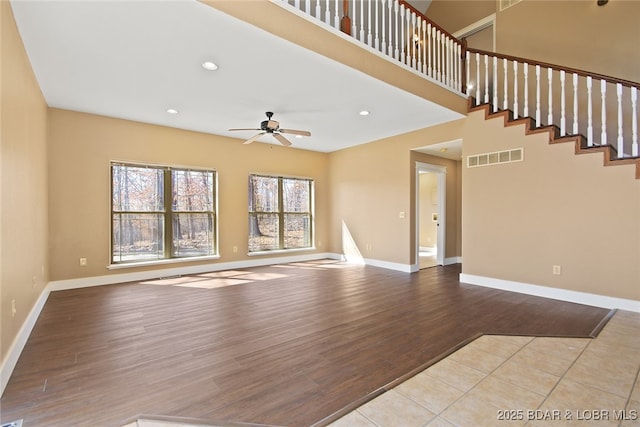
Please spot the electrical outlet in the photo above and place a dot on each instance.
(83, 262)
(401, 215)
(557, 270)
(235, 249)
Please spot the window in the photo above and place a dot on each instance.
(161, 212)
(280, 213)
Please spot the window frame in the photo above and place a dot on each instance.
(168, 214)
(281, 214)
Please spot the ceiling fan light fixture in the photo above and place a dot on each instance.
(210, 65)
(364, 113)
(172, 111)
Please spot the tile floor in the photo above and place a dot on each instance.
(510, 380)
(500, 380)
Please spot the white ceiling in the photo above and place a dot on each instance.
(135, 59)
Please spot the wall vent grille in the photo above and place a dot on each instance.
(507, 3)
(496, 157)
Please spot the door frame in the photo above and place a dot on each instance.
(441, 172)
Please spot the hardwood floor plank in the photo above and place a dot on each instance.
(284, 345)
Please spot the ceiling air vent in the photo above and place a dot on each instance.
(496, 157)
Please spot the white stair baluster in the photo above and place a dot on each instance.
(468, 74)
(450, 62)
(424, 47)
(505, 86)
(327, 14)
(438, 63)
(603, 116)
(354, 20)
(575, 104)
(369, 34)
(550, 80)
(418, 44)
(307, 7)
(538, 112)
(409, 37)
(477, 79)
(391, 21)
(385, 48)
(362, 21)
(377, 36)
(495, 84)
(402, 34)
(446, 76)
(459, 67)
(634, 121)
(526, 90)
(589, 112)
(318, 10)
(621, 152)
(443, 57)
(336, 16)
(297, 4)
(515, 89)
(486, 79)
(397, 25)
(413, 40)
(563, 120)
(428, 41)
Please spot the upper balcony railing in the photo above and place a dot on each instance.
(602, 108)
(397, 30)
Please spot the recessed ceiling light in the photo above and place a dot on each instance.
(209, 65)
(364, 113)
(172, 111)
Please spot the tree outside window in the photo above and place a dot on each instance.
(161, 212)
(280, 213)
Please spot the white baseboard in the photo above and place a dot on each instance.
(11, 358)
(405, 268)
(553, 293)
(59, 285)
(453, 260)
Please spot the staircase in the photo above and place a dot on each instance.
(597, 113)
(559, 101)
(611, 157)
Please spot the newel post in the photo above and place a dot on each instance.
(345, 22)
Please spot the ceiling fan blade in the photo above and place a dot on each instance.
(284, 141)
(243, 129)
(295, 132)
(253, 138)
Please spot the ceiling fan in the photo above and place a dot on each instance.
(273, 127)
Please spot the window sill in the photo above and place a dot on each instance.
(161, 262)
(281, 251)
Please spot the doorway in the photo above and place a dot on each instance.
(430, 215)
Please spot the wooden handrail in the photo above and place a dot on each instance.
(570, 70)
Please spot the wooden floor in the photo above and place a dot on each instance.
(285, 345)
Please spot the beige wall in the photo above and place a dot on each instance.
(371, 184)
(557, 32)
(578, 34)
(23, 203)
(82, 147)
(455, 15)
(554, 208)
